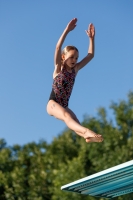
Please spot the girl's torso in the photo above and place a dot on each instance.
(63, 84)
(68, 70)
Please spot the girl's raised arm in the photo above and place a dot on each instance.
(57, 57)
(91, 33)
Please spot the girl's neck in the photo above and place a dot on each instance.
(69, 69)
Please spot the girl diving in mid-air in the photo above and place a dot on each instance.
(66, 69)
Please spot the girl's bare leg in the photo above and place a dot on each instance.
(76, 119)
(66, 115)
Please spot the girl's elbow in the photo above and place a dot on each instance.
(91, 55)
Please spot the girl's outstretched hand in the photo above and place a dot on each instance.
(91, 31)
(71, 25)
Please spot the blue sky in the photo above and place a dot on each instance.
(29, 30)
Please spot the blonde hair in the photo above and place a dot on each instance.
(67, 49)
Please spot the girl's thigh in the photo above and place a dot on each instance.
(54, 109)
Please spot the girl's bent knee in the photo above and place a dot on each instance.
(48, 108)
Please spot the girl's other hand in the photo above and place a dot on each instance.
(91, 31)
(71, 25)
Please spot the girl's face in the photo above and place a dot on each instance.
(70, 58)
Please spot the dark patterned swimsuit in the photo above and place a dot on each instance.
(62, 87)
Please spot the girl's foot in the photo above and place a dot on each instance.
(95, 139)
(90, 136)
